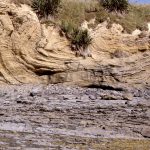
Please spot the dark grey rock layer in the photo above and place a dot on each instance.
(42, 116)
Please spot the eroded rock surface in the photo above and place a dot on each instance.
(31, 52)
(62, 117)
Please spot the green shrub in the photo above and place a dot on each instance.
(44, 8)
(101, 16)
(115, 5)
(79, 39)
(67, 28)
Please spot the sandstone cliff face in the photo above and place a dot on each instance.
(31, 52)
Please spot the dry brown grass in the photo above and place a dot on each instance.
(28, 2)
(76, 11)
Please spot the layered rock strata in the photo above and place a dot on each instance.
(31, 52)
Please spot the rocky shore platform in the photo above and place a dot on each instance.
(59, 117)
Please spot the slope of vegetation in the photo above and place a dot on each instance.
(70, 14)
(135, 17)
(76, 11)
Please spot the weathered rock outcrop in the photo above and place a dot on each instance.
(31, 52)
(62, 117)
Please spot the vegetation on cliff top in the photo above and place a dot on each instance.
(135, 16)
(115, 5)
(75, 12)
(70, 14)
(44, 8)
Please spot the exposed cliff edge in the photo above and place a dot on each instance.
(31, 52)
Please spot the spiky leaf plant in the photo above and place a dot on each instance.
(79, 38)
(115, 5)
(44, 8)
